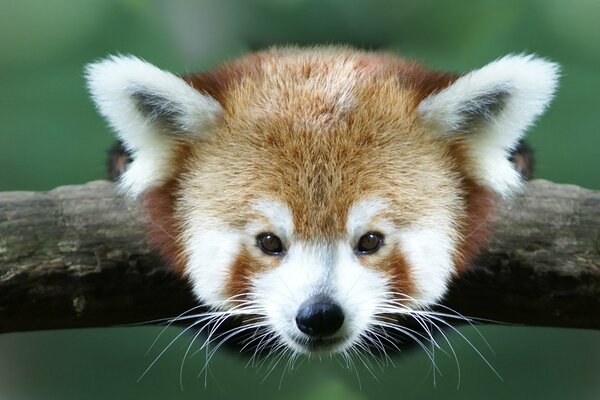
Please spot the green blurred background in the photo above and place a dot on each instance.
(50, 135)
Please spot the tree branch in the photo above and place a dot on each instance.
(76, 256)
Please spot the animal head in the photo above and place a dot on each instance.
(320, 192)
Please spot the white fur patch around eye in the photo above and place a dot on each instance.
(211, 254)
(279, 219)
(361, 215)
(429, 254)
(428, 250)
(492, 107)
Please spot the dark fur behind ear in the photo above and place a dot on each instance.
(523, 159)
(117, 161)
(119, 158)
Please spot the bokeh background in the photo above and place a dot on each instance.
(50, 135)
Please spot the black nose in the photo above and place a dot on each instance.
(319, 316)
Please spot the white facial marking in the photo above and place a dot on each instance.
(361, 292)
(278, 219)
(429, 254)
(427, 245)
(330, 269)
(211, 253)
(361, 215)
(319, 269)
(322, 268)
(334, 270)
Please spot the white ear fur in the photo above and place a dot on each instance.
(148, 108)
(491, 108)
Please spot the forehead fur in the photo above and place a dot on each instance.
(320, 130)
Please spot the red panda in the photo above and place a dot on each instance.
(318, 193)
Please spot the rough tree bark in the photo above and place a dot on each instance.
(76, 256)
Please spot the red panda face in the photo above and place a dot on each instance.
(320, 192)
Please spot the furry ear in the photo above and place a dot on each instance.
(150, 109)
(490, 108)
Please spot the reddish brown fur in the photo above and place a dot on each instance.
(239, 276)
(475, 226)
(244, 266)
(164, 225)
(319, 154)
(285, 140)
(398, 271)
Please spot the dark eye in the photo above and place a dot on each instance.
(369, 243)
(270, 244)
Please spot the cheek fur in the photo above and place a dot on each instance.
(429, 253)
(475, 228)
(398, 273)
(239, 275)
(211, 255)
(243, 269)
(163, 226)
